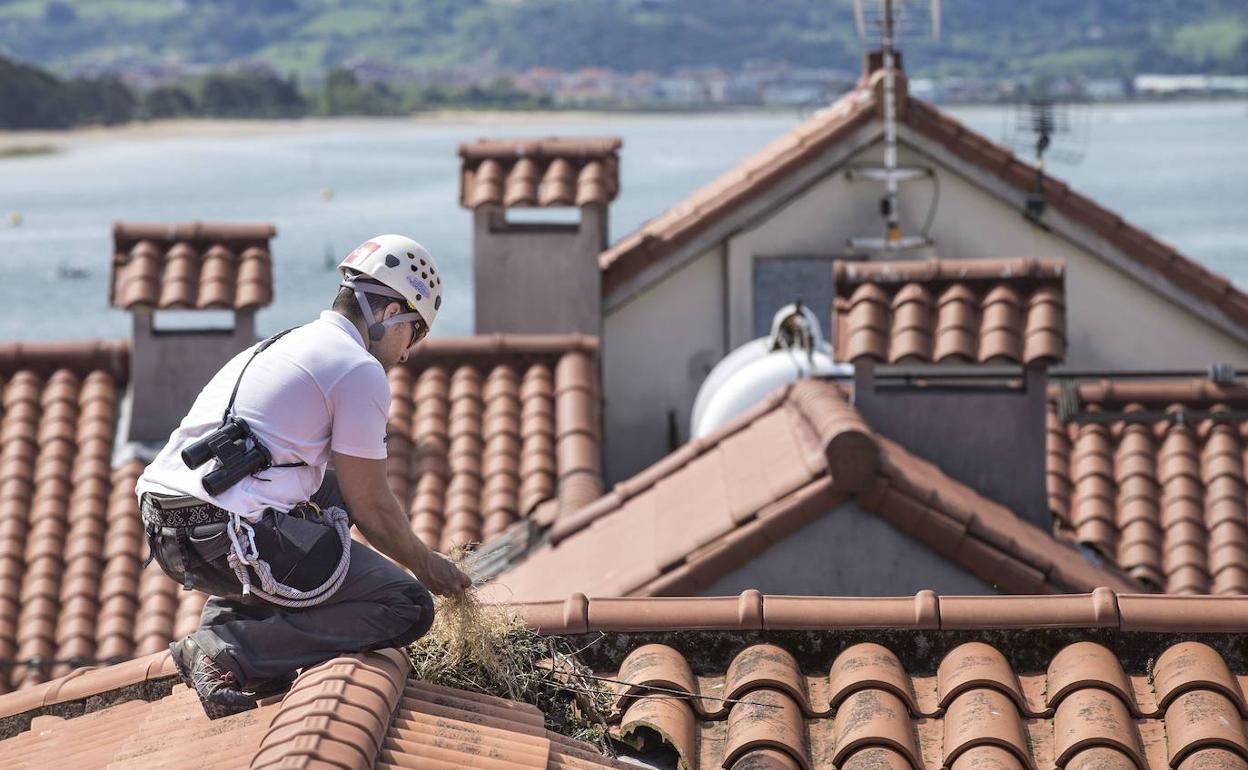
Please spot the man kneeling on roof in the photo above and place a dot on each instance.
(239, 503)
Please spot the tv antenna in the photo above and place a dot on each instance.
(1045, 129)
(894, 19)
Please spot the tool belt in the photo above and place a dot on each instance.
(182, 511)
(308, 569)
(181, 518)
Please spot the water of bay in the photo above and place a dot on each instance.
(1178, 170)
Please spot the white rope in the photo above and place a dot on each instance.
(244, 554)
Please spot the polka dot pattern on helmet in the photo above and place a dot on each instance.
(383, 262)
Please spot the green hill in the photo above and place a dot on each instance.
(309, 37)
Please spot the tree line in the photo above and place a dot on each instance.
(981, 38)
(32, 98)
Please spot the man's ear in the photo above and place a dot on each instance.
(392, 310)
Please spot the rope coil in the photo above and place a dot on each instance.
(244, 554)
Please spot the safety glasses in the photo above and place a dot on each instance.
(419, 332)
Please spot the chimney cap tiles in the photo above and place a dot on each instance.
(539, 173)
(191, 266)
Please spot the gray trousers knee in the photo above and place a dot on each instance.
(378, 605)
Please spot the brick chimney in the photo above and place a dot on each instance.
(539, 275)
(951, 360)
(192, 290)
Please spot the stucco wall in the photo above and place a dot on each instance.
(816, 223)
(513, 266)
(656, 350)
(169, 368)
(848, 552)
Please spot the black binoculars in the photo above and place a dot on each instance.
(228, 445)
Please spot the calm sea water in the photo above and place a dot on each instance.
(1179, 170)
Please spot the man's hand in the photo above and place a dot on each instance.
(380, 517)
(442, 577)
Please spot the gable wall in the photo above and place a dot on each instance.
(656, 350)
(660, 343)
(848, 552)
(1138, 329)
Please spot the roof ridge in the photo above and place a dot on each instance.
(372, 682)
(193, 231)
(946, 269)
(80, 356)
(985, 536)
(1157, 391)
(670, 228)
(848, 448)
(83, 683)
(848, 443)
(1101, 608)
(575, 521)
(504, 344)
(546, 147)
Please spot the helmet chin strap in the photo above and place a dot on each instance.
(377, 329)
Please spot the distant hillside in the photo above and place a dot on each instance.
(309, 37)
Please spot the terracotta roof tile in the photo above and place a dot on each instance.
(193, 265)
(70, 552)
(70, 529)
(483, 430)
(943, 310)
(561, 171)
(1151, 474)
(925, 696)
(356, 711)
(708, 508)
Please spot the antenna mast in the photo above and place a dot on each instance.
(892, 230)
(1049, 130)
(890, 173)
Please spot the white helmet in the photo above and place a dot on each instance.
(404, 267)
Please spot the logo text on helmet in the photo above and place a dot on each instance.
(419, 286)
(361, 251)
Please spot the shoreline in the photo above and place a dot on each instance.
(234, 127)
(57, 139)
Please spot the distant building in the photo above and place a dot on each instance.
(1169, 85)
(1101, 89)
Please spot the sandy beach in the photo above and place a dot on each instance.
(223, 128)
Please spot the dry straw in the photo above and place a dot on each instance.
(480, 647)
(487, 648)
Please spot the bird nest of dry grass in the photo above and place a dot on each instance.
(487, 648)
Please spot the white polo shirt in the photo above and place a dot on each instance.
(315, 390)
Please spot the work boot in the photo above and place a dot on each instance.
(266, 688)
(218, 688)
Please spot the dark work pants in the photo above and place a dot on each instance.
(378, 604)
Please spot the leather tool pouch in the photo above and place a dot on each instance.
(302, 553)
